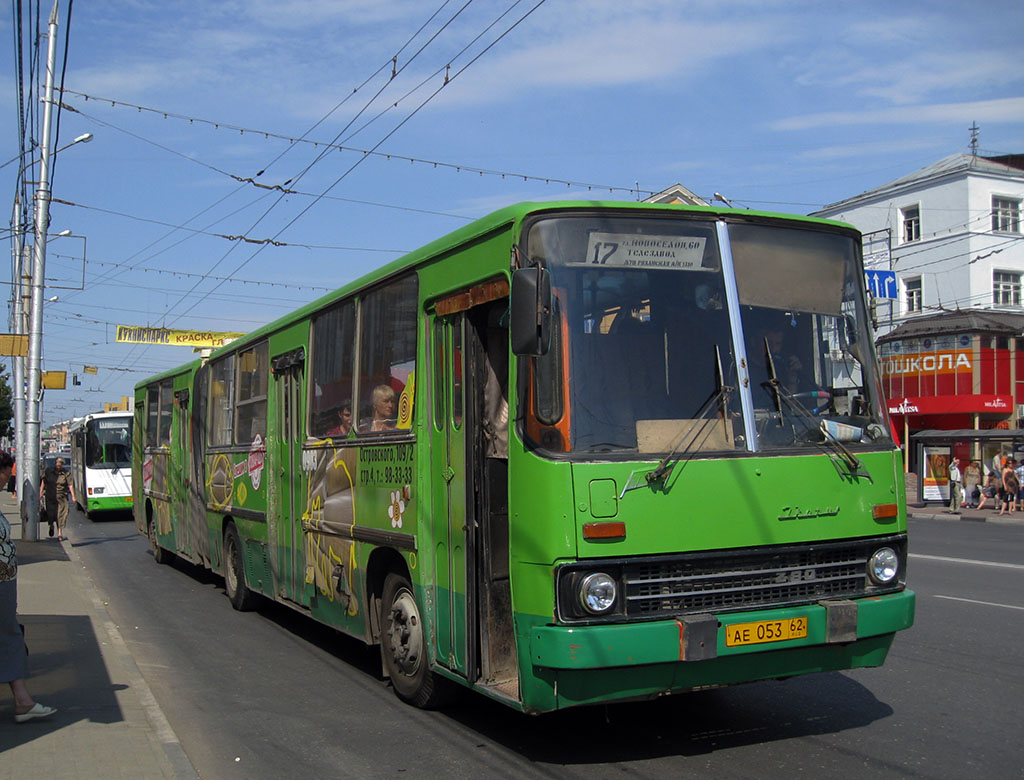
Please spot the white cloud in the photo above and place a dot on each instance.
(887, 146)
(996, 111)
(637, 51)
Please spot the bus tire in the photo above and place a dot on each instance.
(237, 591)
(404, 647)
(160, 555)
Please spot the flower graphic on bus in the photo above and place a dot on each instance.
(396, 509)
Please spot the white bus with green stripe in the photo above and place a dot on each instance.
(101, 461)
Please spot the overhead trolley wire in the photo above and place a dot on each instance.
(343, 147)
(392, 60)
(351, 168)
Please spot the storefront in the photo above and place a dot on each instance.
(954, 372)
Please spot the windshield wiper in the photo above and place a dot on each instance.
(690, 436)
(838, 453)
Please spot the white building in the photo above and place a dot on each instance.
(950, 231)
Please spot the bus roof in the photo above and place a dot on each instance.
(503, 218)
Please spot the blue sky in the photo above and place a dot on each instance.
(782, 106)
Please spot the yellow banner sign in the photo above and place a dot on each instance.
(55, 380)
(14, 344)
(90, 369)
(131, 334)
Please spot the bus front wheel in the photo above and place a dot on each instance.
(404, 647)
(237, 591)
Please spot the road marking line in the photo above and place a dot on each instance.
(975, 601)
(966, 560)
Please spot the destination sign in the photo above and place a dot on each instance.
(632, 250)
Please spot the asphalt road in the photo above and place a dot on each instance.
(270, 694)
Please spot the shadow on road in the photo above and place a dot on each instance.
(687, 724)
(693, 724)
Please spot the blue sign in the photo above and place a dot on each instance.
(881, 284)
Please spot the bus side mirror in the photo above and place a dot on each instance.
(848, 338)
(530, 306)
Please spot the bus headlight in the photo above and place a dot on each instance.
(597, 593)
(883, 566)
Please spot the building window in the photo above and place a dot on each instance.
(1005, 215)
(913, 294)
(1005, 288)
(910, 217)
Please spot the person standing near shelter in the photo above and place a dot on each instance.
(972, 483)
(1020, 482)
(956, 486)
(1011, 486)
(13, 655)
(56, 485)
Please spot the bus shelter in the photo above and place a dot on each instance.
(934, 449)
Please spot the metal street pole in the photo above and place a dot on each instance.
(30, 485)
(19, 328)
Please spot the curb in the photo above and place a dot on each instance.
(944, 515)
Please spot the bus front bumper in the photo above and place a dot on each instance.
(834, 623)
(108, 503)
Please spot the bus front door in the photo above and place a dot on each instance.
(285, 532)
(452, 523)
(185, 543)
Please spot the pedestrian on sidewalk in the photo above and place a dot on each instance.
(1011, 486)
(13, 654)
(991, 490)
(56, 484)
(956, 486)
(12, 483)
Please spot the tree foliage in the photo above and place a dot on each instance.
(6, 404)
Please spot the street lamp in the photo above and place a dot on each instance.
(23, 305)
(30, 461)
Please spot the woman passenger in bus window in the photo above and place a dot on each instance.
(383, 404)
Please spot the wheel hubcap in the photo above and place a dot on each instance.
(231, 577)
(405, 634)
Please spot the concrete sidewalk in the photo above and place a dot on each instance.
(108, 724)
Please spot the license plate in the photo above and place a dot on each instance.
(765, 631)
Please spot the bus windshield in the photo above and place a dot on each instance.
(645, 357)
(108, 443)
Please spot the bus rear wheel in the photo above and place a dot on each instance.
(404, 647)
(160, 555)
(237, 591)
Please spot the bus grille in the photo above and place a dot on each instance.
(735, 580)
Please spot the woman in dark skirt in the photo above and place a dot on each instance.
(13, 656)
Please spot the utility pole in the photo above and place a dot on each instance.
(30, 485)
(18, 327)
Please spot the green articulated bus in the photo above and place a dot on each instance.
(574, 452)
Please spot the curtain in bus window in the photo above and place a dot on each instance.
(334, 336)
(251, 406)
(221, 395)
(152, 414)
(166, 406)
(387, 357)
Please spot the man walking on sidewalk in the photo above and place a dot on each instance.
(956, 486)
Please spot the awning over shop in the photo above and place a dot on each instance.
(968, 434)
